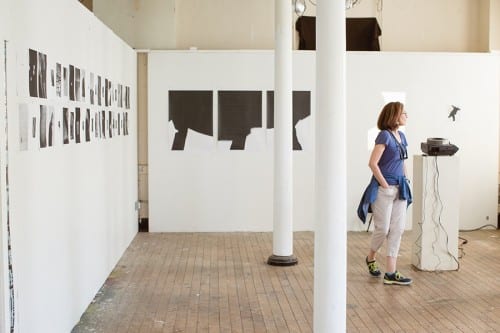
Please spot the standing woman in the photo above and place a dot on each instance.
(388, 194)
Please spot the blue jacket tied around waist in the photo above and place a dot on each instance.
(371, 191)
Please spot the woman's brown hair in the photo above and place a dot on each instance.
(389, 116)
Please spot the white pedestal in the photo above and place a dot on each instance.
(435, 212)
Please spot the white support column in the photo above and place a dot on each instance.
(283, 122)
(330, 244)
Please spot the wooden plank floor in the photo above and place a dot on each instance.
(219, 282)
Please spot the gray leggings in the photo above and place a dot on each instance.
(389, 216)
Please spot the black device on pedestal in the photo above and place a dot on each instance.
(438, 147)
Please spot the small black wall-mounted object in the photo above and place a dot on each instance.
(453, 112)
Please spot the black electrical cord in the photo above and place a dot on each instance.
(465, 241)
(461, 248)
(437, 209)
(440, 224)
(418, 246)
(479, 228)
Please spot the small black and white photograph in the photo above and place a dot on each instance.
(103, 91)
(77, 84)
(23, 126)
(77, 125)
(65, 126)
(82, 86)
(103, 124)
(43, 126)
(71, 83)
(72, 125)
(110, 93)
(99, 90)
(102, 132)
(110, 124)
(120, 96)
(33, 127)
(33, 73)
(33, 140)
(106, 92)
(127, 97)
(87, 125)
(125, 123)
(83, 125)
(91, 89)
(58, 80)
(42, 75)
(65, 81)
(119, 123)
(96, 125)
(50, 126)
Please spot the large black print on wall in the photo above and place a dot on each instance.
(190, 109)
(239, 112)
(301, 106)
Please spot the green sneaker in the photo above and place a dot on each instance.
(373, 267)
(397, 278)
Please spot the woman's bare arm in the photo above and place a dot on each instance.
(377, 152)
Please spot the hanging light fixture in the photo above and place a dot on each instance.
(299, 6)
(350, 3)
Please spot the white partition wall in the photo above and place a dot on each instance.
(4, 289)
(432, 83)
(71, 159)
(207, 186)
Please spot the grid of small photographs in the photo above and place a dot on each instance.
(70, 105)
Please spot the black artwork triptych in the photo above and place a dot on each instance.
(238, 113)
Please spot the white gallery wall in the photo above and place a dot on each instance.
(72, 176)
(4, 288)
(208, 187)
(142, 24)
